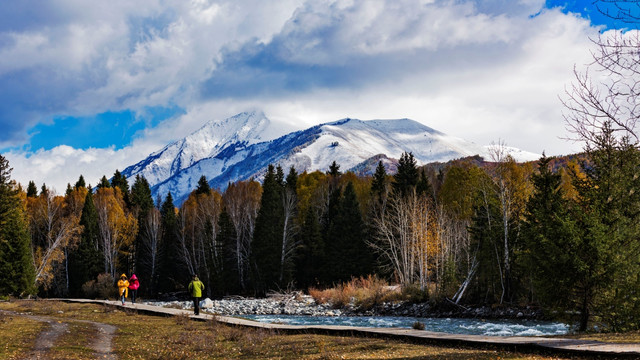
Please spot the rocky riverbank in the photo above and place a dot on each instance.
(300, 304)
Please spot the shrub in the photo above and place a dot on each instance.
(363, 292)
(103, 287)
(418, 325)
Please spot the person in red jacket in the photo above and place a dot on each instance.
(133, 287)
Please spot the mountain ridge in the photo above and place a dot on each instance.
(246, 145)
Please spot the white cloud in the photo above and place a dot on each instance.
(481, 70)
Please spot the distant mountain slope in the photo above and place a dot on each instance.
(239, 148)
(211, 139)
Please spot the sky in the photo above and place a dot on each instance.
(88, 87)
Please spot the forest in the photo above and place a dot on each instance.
(559, 233)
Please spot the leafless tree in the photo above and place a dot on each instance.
(151, 231)
(289, 243)
(605, 93)
(242, 201)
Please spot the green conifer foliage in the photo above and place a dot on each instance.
(32, 190)
(171, 275)
(406, 178)
(80, 183)
(311, 262)
(348, 254)
(104, 183)
(16, 262)
(267, 238)
(550, 238)
(141, 204)
(203, 186)
(86, 261)
(120, 181)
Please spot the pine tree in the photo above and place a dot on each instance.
(170, 273)
(423, 187)
(334, 170)
(85, 262)
(104, 183)
(80, 183)
(292, 179)
(550, 238)
(348, 254)
(311, 264)
(141, 204)
(379, 182)
(267, 238)
(32, 190)
(203, 186)
(16, 262)
(120, 181)
(406, 178)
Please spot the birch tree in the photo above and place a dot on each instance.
(116, 228)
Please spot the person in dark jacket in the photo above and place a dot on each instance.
(195, 288)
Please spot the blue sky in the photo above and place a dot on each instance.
(94, 87)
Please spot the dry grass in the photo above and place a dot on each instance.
(17, 335)
(363, 292)
(148, 337)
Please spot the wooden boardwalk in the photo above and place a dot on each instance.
(561, 346)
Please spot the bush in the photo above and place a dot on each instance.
(363, 292)
(418, 325)
(103, 287)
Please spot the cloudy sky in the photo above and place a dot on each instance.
(88, 87)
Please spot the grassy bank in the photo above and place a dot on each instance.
(149, 337)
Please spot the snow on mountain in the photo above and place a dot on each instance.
(214, 137)
(234, 151)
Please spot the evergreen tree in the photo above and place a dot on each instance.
(104, 183)
(141, 204)
(86, 261)
(227, 236)
(279, 175)
(607, 212)
(171, 276)
(32, 190)
(334, 170)
(379, 182)
(406, 178)
(423, 187)
(203, 186)
(311, 265)
(267, 238)
(348, 254)
(292, 179)
(69, 190)
(120, 181)
(80, 183)
(550, 238)
(16, 262)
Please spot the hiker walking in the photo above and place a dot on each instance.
(195, 288)
(123, 286)
(133, 286)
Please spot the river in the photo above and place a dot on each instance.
(446, 325)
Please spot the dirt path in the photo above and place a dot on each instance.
(101, 344)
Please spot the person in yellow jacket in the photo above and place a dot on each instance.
(123, 286)
(195, 287)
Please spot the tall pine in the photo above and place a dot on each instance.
(16, 262)
(267, 238)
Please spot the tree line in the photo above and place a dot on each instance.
(557, 233)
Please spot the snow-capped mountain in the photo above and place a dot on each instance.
(243, 146)
(236, 132)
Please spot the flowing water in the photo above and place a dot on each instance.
(446, 325)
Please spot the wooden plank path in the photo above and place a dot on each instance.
(554, 345)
